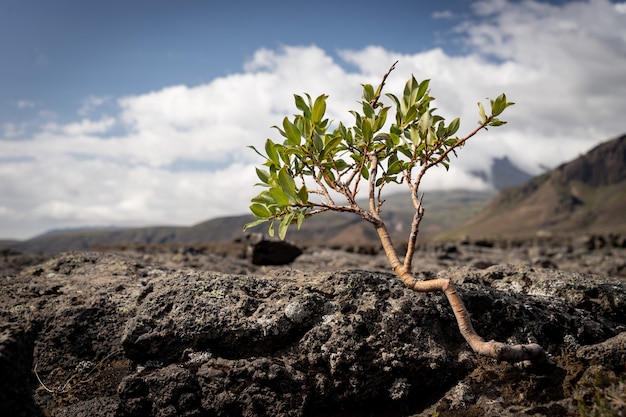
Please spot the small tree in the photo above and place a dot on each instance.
(313, 166)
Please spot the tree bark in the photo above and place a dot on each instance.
(529, 353)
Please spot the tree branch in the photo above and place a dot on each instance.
(417, 218)
(372, 186)
(382, 84)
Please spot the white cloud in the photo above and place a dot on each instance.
(444, 14)
(25, 104)
(563, 65)
(12, 130)
(91, 103)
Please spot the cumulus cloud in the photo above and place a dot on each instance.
(178, 155)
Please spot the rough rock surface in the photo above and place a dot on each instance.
(197, 334)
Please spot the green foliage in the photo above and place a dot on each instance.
(330, 157)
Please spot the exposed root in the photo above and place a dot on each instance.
(528, 354)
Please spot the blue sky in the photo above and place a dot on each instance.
(61, 52)
(134, 113)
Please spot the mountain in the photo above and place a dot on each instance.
(503, 174)
(586, 195)
(444, 210)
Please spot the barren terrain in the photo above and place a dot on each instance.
(201, 331)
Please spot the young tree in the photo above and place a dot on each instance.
(313, 167)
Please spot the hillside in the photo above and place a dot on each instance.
(586, 195)
(445, 209)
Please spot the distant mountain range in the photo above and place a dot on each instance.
(445, 209)
(503, 174)
(585, 195)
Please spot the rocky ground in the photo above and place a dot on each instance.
(201, 331)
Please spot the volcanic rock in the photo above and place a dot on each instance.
(106, 334)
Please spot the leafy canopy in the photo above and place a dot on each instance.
(317, 158)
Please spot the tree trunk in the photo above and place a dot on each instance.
(530, 353)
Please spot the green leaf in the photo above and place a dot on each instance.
(498, 105)
(413, 89)
(260, 211)
(300, 219)
(330, 146)
(286, 182)
(441, 130)
(366, 129)
(404, 150)
(292, 132)
(319, 108)
(425, 122)
(253, 224)
(263, 175)
(318, 142)
(300, 104)
(481, 112)
(270, 150)
(395, 167)
(341, 164)
(453, 127)
(279, 196)
(423, 87)
(357, 117)
(303, 195)
(264, 198)
(431, 138)
(410, 115)
(497, 122)
(330, 176)
(368, 92)
(368, 110)
(381, 119)
(394, 99)
(284, 224)
(414, 134)
(365, 172)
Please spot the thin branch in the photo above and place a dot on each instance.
(458, 143)
(356, 174)
(323, 190)
(425, 166)
(415, 225)
(372, 184)
(382, 84)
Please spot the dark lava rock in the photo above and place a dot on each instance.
(269, 252)
(109, 335)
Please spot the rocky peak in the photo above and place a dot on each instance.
(603, 165)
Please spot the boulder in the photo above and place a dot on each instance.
(270, 252)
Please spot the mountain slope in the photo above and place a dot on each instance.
(586, 195)
(445, 209)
